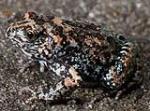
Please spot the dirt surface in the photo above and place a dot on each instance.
(130, 18)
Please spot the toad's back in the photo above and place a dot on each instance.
(87, 51)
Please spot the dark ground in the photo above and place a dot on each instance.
(131, 18)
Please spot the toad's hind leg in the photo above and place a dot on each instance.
(122, 70)
(131, 61)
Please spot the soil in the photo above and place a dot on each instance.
(130, 18)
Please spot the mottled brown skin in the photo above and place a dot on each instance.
(77, 52)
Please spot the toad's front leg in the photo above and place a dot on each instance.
(64, 87)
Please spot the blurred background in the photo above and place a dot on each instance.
(129, 17)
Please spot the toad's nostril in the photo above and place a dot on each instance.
(11, 32)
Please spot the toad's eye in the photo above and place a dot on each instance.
(30, 36)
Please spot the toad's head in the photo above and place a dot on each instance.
(28, 33)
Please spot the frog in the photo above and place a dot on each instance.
(79, 53)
